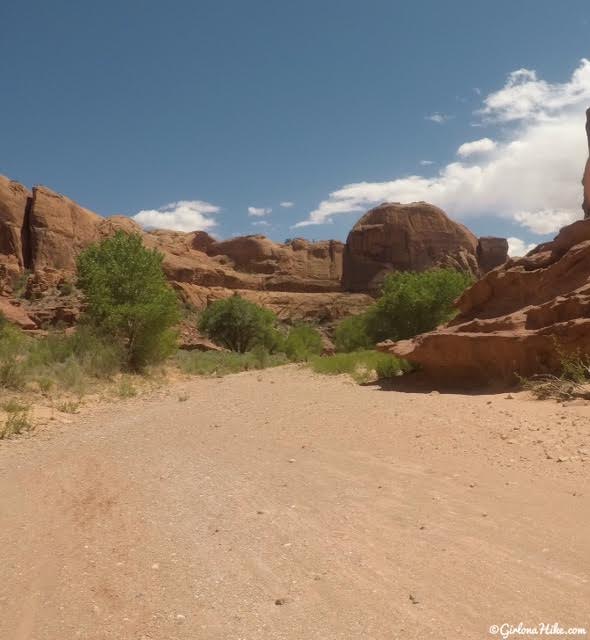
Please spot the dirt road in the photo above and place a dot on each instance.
(282, 504)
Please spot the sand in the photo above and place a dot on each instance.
(284, 504)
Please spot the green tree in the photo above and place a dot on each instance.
(129, 298)
(413, 303)
(239, 325)
(351, 334)
(302, 342)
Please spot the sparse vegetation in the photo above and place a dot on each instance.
(126, 389)
(19, 287)
(570, 383)
(68, 407)
(14, 406)
(361, 365)
(17, 421)
(219, 363)
(129, 299)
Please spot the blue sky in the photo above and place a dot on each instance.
(216, 106)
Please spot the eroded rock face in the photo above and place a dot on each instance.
(411, 237)
(510, 321)
(491, 253)
(59, 229)
(586, 178)
(14, 201)
(43, 232)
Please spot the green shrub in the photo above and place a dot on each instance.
(16, 423)
(219, 363)
(351, 334)
(129, 298)
(239, 325)
(302, 342)
(413, 303)
(361, 365)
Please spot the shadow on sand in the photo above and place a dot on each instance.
(417, 382)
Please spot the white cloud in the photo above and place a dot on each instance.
(545, 221)
(516, 247)
(439, 118)
(185, 215)
(525, 96)
(426, 163)
(258, 212)
(477, 146)
(261, 223)
(532, 177)
(287, 204)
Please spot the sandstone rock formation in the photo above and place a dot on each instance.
(586, 178)
(511, 320)
(491, 253)
(14, 201)
(42, 233)
(412, 237)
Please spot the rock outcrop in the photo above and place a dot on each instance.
(515, 320)
(412, 237)
(14, 207)
(42, 233)
(586, 178)
(491, 253)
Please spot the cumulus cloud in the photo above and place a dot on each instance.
(517, 247)
(526, 97)
(258, 212)
(531, 177)
(439, 118)
(287, 204)
(185, 215)
(545, 221)
(477, 146)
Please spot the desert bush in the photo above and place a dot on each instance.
(413, 303)
(219, 363)
(13, 348)
(129, 298)
(14, 406)
(302, 342)
(361, 365)
(17, 421)
(126, 389)
(570, 383)
(239, 325)
(69, 406)
(352, 334)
